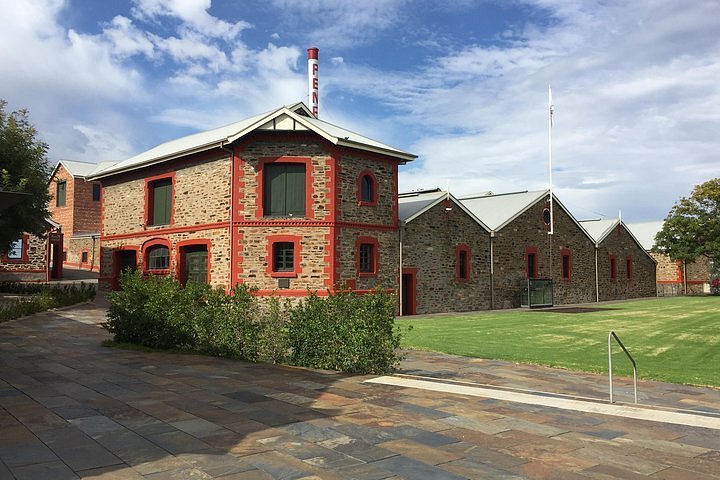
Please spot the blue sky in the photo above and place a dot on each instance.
(460, 83)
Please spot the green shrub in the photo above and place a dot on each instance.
(43, 297)
(349, 332)
(345, 331)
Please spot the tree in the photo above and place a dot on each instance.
(692, 228)
(23, 168)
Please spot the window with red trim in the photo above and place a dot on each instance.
(17, 251)
(566, 264)
(531, 262)
(156, 257)
(367, 188)
(613, 267)
(284, 190)
(283, 256)
(629, 268)
(159, 203)
(462, 263)
(84, 256)
(367, 256)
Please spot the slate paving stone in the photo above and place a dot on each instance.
(177, 442)
(110, 473)
(470, 469)
(56, 470)
(357, 449)
(418, 451)
(27, 453)
(409, 468)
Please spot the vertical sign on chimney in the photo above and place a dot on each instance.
(313, 79)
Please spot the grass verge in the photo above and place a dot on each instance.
(674, 339)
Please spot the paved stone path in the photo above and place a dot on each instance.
(70, 408)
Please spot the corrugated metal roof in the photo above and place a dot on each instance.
(298, 119)
(410, 204)
(496, 211)
(81, 169)
(599, 229)
(645, 232)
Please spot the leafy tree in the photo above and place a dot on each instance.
(23, 168)
(692, 228)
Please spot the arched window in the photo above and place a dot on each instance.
(158, 257)
(367, 188)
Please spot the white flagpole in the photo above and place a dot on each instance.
(550, 124)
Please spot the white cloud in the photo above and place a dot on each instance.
(194, 15)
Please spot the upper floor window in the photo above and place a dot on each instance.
(566, 266)
(367, 188)
(160, 201)
(462, 263)
(531, 261)
(96, 192)
(158, 257)
(284, 190)
(60, 193)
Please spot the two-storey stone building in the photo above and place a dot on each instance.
(281, 201)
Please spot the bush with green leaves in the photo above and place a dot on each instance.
(345, 331)
(41, 297)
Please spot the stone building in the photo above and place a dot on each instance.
(75, 205)
(522, 248)
(624, 268)
(33, 259)
(673, 277)
(281, 201)
(445, 255)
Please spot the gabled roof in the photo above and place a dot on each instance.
(600, 229)
(288, 118)
(413, 204)
(81, 169)
(496, 211)
(645, 232)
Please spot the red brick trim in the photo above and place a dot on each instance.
(167, 231)
(531, 251)
(458, 249)
(154, 243)
(565, 252)
(147, 215)
(373, 191)
(374, 261)
(24, 257)
(309, 175)
(297, 252)
(180, 263)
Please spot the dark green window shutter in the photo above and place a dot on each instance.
(60, 193)
(162, 201)
(284, 190)
(96, 192)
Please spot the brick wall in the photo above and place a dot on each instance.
(62, 215)
(74, 247)
(430, 243)
(620, 245)
(86, 211)
(529, 230)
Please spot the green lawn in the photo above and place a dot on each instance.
(672, 339)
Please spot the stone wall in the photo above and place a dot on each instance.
(640, 283)
(528, 230)
(671, 276)
(350, 210)
(430, 244)
(34, 269)
(346, 259)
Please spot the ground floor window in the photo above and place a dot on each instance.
(194, 263)
(157, 258)
(566, 267)
(283, 256)
(531, 262)
(462, 263)
(613, 267)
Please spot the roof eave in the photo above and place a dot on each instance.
(402, 156)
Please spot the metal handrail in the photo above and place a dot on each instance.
(610, 337)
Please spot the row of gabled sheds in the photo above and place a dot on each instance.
(490, 251)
